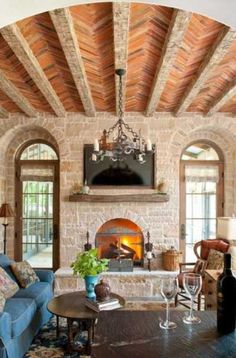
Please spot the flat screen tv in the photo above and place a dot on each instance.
(109, 173)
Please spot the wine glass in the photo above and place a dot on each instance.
(192, 283)
(169, 288)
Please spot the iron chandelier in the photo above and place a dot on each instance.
(125, 140)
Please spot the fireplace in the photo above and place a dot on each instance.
(120, 239)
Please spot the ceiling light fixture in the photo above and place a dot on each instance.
(125, 141)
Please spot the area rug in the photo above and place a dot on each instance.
(47, 345)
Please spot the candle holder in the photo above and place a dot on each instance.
(148, 248)
(87, 246)
(5, 212)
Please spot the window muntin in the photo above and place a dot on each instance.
(38, 151)
(200, 151)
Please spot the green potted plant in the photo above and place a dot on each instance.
(89, 266)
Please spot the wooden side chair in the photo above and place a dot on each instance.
(201, 250)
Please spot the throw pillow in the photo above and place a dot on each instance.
(232, 251)
(2, 302)
(8, 287)
(24, 273)
(215, 260)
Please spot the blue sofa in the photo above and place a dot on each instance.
(24, 313)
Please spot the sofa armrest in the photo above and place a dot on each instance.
(5, 326)
(45, 275)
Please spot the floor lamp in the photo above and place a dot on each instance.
(5, 212)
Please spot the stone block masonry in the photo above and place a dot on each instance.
(69, 134)
(139, 283)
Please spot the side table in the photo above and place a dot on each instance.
(72, 307)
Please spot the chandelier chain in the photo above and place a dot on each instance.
(120, 121)
(126, 141)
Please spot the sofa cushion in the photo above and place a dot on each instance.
(41, 292)
(2, 301)
(7, 286)
(24, 273)
(21, 312)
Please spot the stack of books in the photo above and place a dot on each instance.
(98, 306)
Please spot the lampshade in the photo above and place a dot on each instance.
(6, 211)
(226, 228)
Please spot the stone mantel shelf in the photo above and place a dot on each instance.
(109, 198)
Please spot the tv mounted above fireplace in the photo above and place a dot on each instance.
(108, 173)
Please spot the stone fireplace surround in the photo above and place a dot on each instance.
(148, 216)
(152, 217)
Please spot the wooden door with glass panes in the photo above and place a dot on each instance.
(201, 196)
(37, 211)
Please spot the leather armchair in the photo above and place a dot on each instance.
(201, 250)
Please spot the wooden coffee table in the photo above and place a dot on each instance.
(72, 307)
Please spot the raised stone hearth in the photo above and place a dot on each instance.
(139, 283)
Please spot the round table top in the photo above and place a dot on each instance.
(72, 305)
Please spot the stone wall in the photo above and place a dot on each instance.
(170, 134)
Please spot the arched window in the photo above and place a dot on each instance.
(201, 194)
(38, 151)
(37, 209)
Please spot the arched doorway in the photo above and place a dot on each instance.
(201, 194)
(37, 205)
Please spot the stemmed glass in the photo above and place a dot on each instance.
(192, 283)
(169, 288)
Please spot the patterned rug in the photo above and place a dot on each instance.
(47, 345)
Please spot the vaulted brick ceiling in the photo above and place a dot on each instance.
(64, 61)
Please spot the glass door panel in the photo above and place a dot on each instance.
(37, 223)
(200, 195)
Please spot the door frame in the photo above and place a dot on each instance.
(182, 191)
(56, 202)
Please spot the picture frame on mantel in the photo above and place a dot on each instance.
(126, 175)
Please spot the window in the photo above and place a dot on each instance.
(38, 151)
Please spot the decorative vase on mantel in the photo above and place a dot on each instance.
(90, 283)
(162, 187)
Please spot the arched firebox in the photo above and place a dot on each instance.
(120, 239)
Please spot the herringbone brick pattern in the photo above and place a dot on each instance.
(92, 26)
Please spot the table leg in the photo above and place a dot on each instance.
(93, 329)
(57, 332)
(70, 335)
(90, 328)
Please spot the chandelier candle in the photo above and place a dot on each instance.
(149, 145)
(96, 145)
(125, 141)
